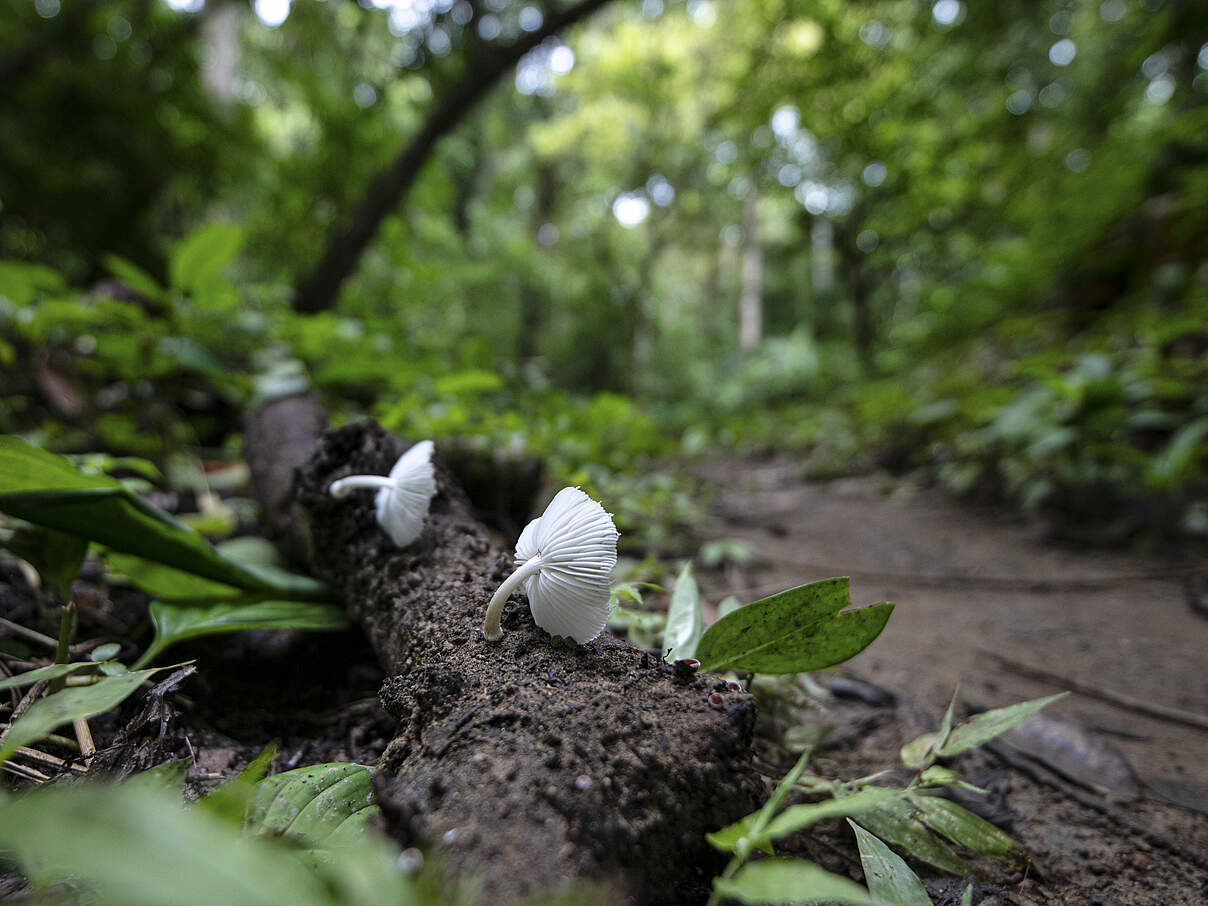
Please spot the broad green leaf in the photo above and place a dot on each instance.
(985, 726)
(202, 254)
(51, 712)
(962, 826)
(889, 878)
(48, 490)
(57, 556)
(790, 881)
(133, 276)
(684, 622)
(134, 845)
(795, 631)
(175, 623)
(54, 671)
(311, 805)
(895, 821)
(167, 583)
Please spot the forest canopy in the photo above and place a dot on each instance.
(963, 237)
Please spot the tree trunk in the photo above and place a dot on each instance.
(320, 289)
(531, 764)
(750, 300)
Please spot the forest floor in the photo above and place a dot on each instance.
(1110, 802)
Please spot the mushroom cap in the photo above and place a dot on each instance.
(403, 507)
(576, 542)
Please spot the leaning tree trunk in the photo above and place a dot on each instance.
(532, 765)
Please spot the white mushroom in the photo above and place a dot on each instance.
(565, 559)
(403, 497)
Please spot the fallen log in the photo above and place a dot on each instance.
(534, 767)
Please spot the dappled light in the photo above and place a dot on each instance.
(798, 311)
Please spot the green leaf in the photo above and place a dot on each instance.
(105, 652)
(175, 623)
(312, 805)
(167, 583)
(795, 631)
(135, 845)
(54, 671)
(202, 254)
(48, 490)
(889, 879)
(798, 817)
(985, 726)
(734, 837)
(46, 714)
(684, 621)
(133, 276)
(967, 896)
(895, 821)
(57, 556)
(937, 775)
(919, 751)
(790, 881)
(962, 826)
(22, 281)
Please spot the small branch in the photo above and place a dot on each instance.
(31, 635)
(31, 696)
(320, 289)
(50, 760)
(1119, 699)
(26, 773)
(84, 737)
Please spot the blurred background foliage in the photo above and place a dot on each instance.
(965, 238)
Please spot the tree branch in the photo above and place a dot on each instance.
(320, 289)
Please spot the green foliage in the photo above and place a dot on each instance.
(685, 622)
(47, 490)
(47, 714)
(890, 879)
(792, 632)
(913, 817)
(321, 807)
(177, 622)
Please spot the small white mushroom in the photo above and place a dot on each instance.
(565, 559)
(403, 497)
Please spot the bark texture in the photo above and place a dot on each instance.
(531, 765)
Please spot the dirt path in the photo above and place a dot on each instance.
(970, 584)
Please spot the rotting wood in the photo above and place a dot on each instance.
(530, 765)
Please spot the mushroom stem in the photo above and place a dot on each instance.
(490, 625)
(344, 485)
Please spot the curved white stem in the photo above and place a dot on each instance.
(490, 625)
(344, 485)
